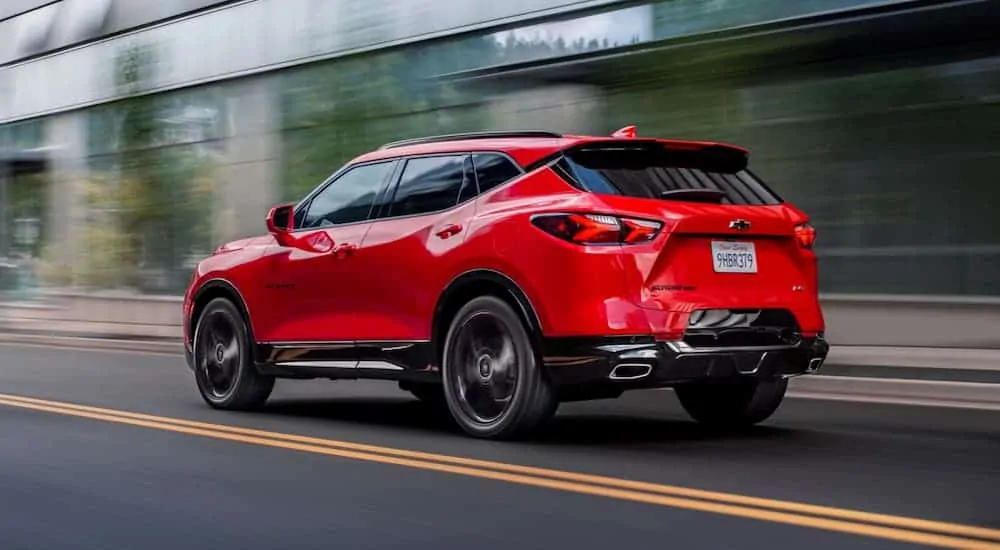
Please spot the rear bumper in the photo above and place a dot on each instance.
(637, 362)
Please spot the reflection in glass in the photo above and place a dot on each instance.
(154, 166)
(348, 198)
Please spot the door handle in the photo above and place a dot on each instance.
(344, 250)
(449, 230)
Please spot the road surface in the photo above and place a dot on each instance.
(116, 450)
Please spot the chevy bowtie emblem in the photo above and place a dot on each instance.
(739, 225)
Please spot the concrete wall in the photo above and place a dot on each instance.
(248, 38)
(912, 321)
(561, 108)
(67, 211)
(251, 166)
(10, 8)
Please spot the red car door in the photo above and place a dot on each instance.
(412, 249)
(316, 279)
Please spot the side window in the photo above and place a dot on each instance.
(347, 199)
(493, 170)
(429, 184)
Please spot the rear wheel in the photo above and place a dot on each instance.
(224, 369)
(493, 382)
(732, 405)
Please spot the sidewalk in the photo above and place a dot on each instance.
(931, 358)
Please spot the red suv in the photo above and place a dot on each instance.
(501, 273)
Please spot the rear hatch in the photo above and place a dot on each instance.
(730, 242)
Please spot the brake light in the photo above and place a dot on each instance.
(598, 228)
(805, 234)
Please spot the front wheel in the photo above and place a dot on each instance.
(734, 404)
(493, 382)
(224, 369)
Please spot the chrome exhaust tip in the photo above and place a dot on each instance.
(630, 371)
(814, 365)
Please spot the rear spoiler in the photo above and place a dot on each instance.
(707, 156)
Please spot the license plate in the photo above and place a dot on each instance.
(734, 257)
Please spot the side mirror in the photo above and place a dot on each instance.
(280, 220)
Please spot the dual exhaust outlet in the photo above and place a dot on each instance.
(636, 371)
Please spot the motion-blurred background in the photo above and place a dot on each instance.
(137, 135)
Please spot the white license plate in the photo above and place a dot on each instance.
(734, 257)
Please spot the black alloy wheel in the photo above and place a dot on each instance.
(493, 381)
(224, 369)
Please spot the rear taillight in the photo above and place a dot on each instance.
(805, 234)
(598, 228)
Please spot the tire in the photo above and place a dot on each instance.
(223, 362)
(732, 405)
(486, 343)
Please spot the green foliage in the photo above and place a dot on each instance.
(101, 254)
(149, 208)
(336, 111)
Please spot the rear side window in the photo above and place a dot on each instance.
(493, 170)
(431, 184)
(661, 176)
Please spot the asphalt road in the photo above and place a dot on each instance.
(97, 478)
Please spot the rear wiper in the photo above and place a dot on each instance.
(694, 195)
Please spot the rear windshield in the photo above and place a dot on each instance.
(663, 176)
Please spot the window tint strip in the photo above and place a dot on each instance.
(735, 194)
(692, 181)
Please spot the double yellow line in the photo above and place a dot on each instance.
(896, 528)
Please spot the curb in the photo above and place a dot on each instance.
(163, 347)
(928, 393)
(926, 358)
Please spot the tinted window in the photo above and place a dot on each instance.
(429, 184)
(640, 174)
(493, 170)
(349, 198)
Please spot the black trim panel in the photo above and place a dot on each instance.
(409, 361)
(581, 368)
(579, 363)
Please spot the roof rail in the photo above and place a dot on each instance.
(472, 135)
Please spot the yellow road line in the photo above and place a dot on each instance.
(847, 521)
(839, 513)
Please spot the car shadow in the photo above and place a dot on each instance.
(569, 428)
(401, 412)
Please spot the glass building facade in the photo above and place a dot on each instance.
(167, 141)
